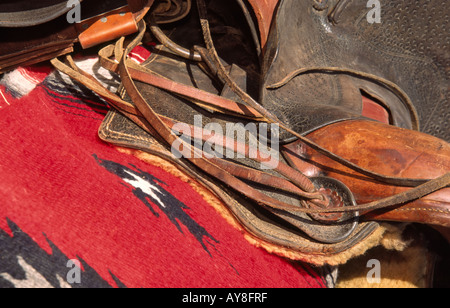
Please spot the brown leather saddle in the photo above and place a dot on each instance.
(336, 172)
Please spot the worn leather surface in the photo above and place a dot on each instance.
(264, 12)
(291, 230)
(36, 31)
(267, 227)
(25, 46)
(23, 13)
(409, 47)
(19, 14)
(389, 150)
(298, 231)
(385, 147)
(179, 109)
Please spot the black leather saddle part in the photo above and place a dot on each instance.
(324, 48)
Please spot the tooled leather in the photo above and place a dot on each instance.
(416, 34)
(405, 48)
(124, 132)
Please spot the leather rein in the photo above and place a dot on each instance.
(115, 59)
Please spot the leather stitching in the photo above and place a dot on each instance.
(424, 209)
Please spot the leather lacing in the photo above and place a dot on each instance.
(225, 171)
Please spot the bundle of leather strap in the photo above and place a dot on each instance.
(360, 110)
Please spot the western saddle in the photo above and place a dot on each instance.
(341, 170)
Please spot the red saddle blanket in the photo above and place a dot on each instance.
(77, 212)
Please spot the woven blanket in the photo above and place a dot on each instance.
(78, 212)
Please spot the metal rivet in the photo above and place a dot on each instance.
(104, 19)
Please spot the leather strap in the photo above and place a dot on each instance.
(270, 117)
(166, 134)
(48, 36)
(376, 79)
(264, 10)
(418, 192)
(140, 8)
(25, 13)
(112, 25)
